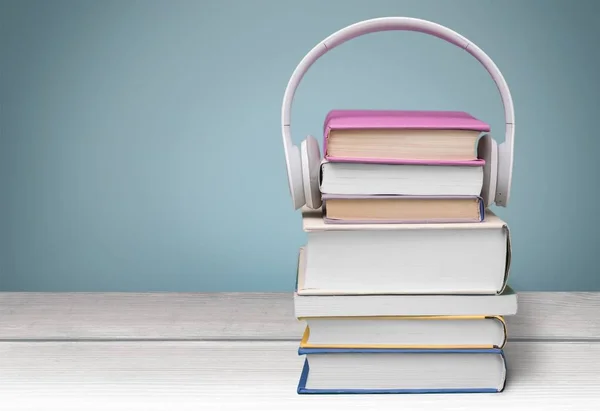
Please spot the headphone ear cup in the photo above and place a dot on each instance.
(504, 175)
(487, 149)
(295, 177)
(311, 160)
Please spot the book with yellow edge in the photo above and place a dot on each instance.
(414, 332)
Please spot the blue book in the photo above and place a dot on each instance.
(401, 371)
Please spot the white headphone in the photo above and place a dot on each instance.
(303, 164)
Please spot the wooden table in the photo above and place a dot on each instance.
(238, 351)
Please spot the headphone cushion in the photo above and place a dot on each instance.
(311, 161)
(504, 175)
(487, 149)
(295, 177)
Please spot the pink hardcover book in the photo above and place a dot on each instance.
(400, 119)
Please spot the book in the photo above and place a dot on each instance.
(435, 258)
(400, 136)
(330, 303)
(430, 332)
(400, 179)
(398, 371)
(403, 280)
(385, 209)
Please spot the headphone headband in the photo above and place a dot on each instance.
(505, 149)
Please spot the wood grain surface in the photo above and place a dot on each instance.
(238, 351)
(241, 316)
(246, 375)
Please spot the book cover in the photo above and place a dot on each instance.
(302, 389)
(305, 341)
(313, 222)
(400, 119)
(329, 220)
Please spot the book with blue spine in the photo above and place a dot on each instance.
(401, 371)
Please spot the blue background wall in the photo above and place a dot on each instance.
(140, 141)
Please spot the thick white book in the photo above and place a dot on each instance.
(331, 303)
(400, 179)
(433, 258)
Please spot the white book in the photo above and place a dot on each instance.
(330, 303)
(401, 371)
(442, 332)
(400, 179)
(434, 258)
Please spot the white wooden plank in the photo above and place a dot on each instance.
(147, 316)
(265, 316)
(556, 315)
(261, 376)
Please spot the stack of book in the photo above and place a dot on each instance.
(402, 282)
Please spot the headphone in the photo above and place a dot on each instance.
(303, 163)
